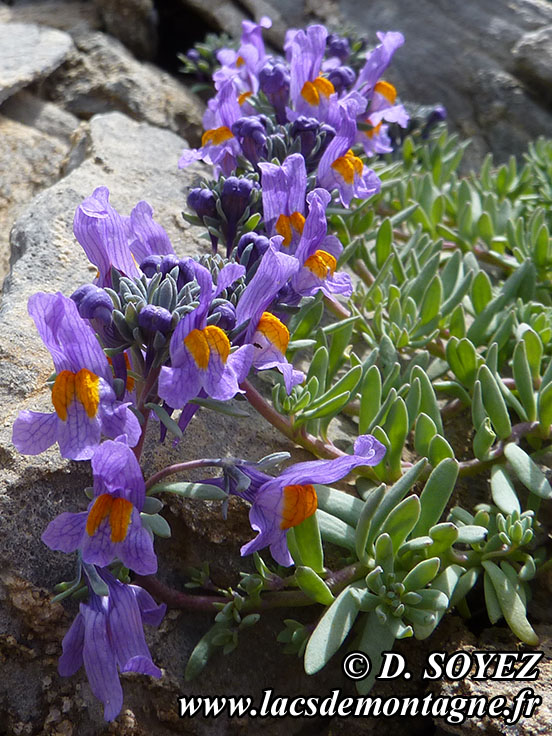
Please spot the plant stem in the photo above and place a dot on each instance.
(300, 437)
(475, 466)
(180, 467)
(336, 582)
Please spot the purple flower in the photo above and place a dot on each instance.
(109, 239)
(338, 46)
(219, 147)
(340, 169)
(317, 252)
(241, 67)
(82, 395)
(200, 353)
(274, 82)
(289, 499)
(107, 635)
(111, 527)
(251, 135)
(203, 202)
(234, 200)
(283, 192)
(266, 333)
(153, 319)
(377, 61)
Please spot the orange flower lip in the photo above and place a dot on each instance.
(347, 166)
(299, 502)
(118, 510)
(274, 330)
(321, 264)
(216, 136)
(285, 223)
(385, 89)
(84, 386)
(201, 343)
(311, 91)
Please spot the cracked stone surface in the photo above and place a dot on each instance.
(27, 53)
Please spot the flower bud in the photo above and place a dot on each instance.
(203, 202)
(338, 46)
(154, 319)
(342, 78)
(93, 303)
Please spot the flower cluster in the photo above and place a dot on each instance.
(159, 333)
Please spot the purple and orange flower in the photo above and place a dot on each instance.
(83, 396)
(200, 353)
(111, 527)
(284, 502)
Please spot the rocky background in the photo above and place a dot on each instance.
(89, 96)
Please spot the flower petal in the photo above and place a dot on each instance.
(65, 532)
(100, 662)
(34, 432)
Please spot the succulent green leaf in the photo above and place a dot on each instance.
(412, 401)
(481, 291)
(202, 652)
(369, 508)
(428, 403)
(394, 495)
(544, 409)
(384, 553)
(308, 542)
(471, 534)
(423, 434)
(494, 611)
(313, 585)
(483, 439)
(331, 631)
(340, 504)
(511, 604)
(435, 495)
(370, 398)
(335, 530)
(396, 427)
(439, 449)
(374, 639)
(165, 419)
(422, 574)
(401, 520)
(383, 242)
(502, 490)
(157, 524)
(494, 403)
(431, 302)
(465, 583)
(527, 471)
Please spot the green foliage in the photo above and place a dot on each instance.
(444, 355)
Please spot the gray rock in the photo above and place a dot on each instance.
(533, 61)
(460, 54)
(100, 76)
(30, 159)
(27, 53)
(133, 22)
(43, 116)
(67, 15)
